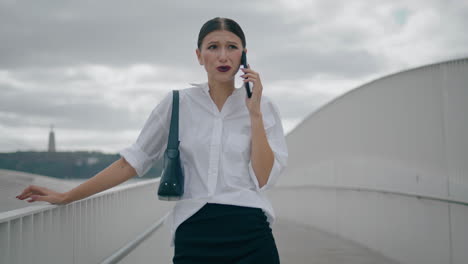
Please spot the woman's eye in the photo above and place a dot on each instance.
(215, 47)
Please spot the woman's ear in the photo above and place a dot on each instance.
(200, 60)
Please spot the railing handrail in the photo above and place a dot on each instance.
(414, 195)
(8, 215)
(130, 246)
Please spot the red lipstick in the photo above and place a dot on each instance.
(223, 68)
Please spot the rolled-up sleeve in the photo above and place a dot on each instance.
(277, 142)
(152, 140)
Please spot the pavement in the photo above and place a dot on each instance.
(296, 243)
(299, 244)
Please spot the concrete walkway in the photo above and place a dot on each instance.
(300, 244)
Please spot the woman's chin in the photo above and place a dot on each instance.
(224, 79)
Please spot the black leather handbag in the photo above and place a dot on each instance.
(171, 185)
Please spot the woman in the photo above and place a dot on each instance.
(232, 149)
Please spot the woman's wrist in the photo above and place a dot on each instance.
(66, 199)
(257, 116)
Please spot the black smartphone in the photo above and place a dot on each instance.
(244, 64)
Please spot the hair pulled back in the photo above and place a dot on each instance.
(220, 23)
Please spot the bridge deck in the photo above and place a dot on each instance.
(303, 244)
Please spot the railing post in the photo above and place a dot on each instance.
(5, 242)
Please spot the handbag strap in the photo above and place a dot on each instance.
(173, 141)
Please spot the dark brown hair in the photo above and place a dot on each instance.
(220, 23)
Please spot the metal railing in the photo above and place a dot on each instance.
(414, 195)
(83, 231)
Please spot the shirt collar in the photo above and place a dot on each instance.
(206, 88)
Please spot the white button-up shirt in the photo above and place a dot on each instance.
(214, 151)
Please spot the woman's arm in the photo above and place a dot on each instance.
(114, 174)
(261, 154)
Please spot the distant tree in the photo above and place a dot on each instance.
(65, 165)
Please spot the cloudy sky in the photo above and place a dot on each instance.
(96, 69)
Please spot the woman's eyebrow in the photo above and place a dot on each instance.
(229, 42)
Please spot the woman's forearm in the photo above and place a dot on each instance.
(261, 153)
(116, 173)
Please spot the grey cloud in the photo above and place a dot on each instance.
(293, 105)
(156, 33)
(41, 38)
(47, 75)
(303, 63)
(23, 109)
(106, 32)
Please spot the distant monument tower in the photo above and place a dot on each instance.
(51, 139)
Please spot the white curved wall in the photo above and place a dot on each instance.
(406, 132)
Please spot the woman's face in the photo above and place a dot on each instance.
(220, 53)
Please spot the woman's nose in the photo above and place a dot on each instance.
(222, 54)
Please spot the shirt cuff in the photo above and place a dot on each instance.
(138, 159)
(275, 171)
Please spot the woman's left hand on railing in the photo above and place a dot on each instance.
(38, 193)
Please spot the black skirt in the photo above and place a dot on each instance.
(221, 233)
